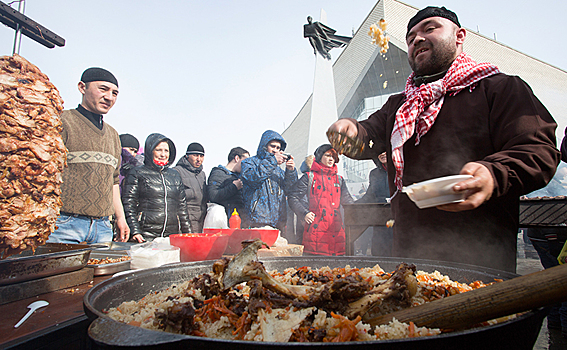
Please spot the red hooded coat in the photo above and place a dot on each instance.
(321, 191)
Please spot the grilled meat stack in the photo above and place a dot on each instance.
(32, 156)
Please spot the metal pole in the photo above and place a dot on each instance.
(18, 37)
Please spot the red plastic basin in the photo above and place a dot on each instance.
(267, 236)
(236, 236)
(199, 246)
(234, 245)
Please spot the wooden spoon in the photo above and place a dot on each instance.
(505, 298)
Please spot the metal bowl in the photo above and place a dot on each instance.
(519, 333)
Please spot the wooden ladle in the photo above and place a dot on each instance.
(463, 310)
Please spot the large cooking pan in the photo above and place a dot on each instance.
(520, 333)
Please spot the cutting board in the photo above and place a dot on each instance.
(288, 250)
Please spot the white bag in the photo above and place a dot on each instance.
(216, 216)
(153, 254)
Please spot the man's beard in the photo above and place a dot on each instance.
(441, 58)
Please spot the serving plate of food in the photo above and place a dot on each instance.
(46, 260)
(109, 262)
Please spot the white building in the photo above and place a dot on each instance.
(364, 79)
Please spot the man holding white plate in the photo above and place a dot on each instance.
(457, 116)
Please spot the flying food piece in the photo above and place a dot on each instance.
(378, 34)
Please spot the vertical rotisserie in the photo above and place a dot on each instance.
(32, 156)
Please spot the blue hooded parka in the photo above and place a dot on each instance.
(265, 185)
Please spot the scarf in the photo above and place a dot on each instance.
(423, 103)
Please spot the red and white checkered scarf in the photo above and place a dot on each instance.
(423, 103)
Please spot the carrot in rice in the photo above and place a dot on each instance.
(347, 328)
(411, 329)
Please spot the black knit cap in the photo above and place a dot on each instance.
(195, 148)
(127, 140)
(432, 11)
(98, 74)
(321, 150)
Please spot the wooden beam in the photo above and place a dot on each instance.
(29, 27)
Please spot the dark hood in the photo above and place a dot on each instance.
(267, 136)
(151, 143)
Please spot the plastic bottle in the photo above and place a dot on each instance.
(234, 221)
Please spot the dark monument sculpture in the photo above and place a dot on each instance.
(323, 38)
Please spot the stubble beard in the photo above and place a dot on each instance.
(441, 57)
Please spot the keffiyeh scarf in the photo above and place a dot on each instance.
(422, 105)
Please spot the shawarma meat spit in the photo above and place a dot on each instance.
(32, 156)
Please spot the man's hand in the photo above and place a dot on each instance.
(123, 230)
(478, 189)
(345, 126)
(280, 158)
(309, 217)
(237, 183)
(290, 164)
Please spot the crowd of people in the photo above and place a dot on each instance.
(110, 175)
(160, 200)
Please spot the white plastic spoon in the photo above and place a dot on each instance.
(33, 306)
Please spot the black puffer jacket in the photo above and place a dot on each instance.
(153, 196)
(223, 191)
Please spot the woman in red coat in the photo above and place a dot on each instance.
(316, 199)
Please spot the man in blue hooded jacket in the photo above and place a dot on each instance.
(265, 183)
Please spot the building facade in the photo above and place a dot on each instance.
(365, 78)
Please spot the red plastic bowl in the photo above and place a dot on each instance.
(267, 236)
(234, 245)
(199, 246)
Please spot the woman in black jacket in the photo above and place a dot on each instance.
(153, 195)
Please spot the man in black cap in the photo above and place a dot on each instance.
(90, 191)
(457, 116)
(190, 167)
